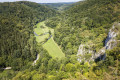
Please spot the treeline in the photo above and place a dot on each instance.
(58, 6)
(17, 42)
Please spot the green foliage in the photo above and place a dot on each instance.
(110, 65)
(39, 76)
(86, 22)
(17, 42)
(52, 22)
(7, 74)
(53, 64)
(69, 67)
(59, 6)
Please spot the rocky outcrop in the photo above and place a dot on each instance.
(110, 43)
(83, 50)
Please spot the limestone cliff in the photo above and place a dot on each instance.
(110, 43)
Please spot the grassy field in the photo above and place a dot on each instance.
(41, 30)
(52, 48)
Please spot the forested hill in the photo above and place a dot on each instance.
(85, 27)
(82, 31)
(59, 6)
(87, 22)
(95, 11)
(36, 10)
(17, 42)
(44, 11)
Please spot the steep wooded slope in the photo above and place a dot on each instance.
(17, 42)
(87, 22)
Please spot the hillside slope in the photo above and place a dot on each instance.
(58, 6)
(87, 22)
(17, 42)
(88, 28)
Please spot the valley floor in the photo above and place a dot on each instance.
(43, 36)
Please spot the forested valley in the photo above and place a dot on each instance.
(63, 41)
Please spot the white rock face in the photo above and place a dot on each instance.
(110, 43)
(82, 51)
(110, 38)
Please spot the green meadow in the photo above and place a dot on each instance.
(53, 49)
(50, 45)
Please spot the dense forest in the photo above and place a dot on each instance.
(87, 22)
(89, 26)
(59, 6)
(17, 42)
